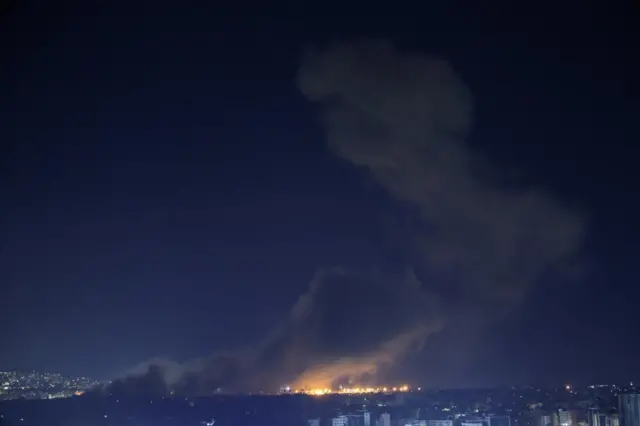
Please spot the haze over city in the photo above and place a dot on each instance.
(200, 201)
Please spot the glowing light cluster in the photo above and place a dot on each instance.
(355, 390)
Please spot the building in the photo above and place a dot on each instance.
(385, 419)
(474, 421)
(367, 418)
(355, 419)
(595, 418)
(314, 422)
(340, 421)
(564, 418)
(629, 409)
(402, 421)
(440, 422)
(613, 420)
(498, 421)
(548, 420)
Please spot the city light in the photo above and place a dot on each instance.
(41, 385)
(344, 390)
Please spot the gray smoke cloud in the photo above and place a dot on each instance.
(402, 118)
(346, 326)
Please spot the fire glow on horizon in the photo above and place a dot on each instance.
(344, 390)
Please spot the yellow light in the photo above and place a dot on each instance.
(343, 390)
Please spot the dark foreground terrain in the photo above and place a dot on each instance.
(85, 411)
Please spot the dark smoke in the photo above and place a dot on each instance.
(345, 326)
(403, 119)
(349, 325)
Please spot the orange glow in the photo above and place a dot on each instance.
(354, 390)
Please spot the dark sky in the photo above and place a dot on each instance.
(168, 191)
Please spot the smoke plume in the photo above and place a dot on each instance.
(348, 326)
(403, 119)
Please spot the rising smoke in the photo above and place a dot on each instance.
(403, 119)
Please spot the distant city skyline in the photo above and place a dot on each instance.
(521, 406)
(42, 385)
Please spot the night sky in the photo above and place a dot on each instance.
(175, 176)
